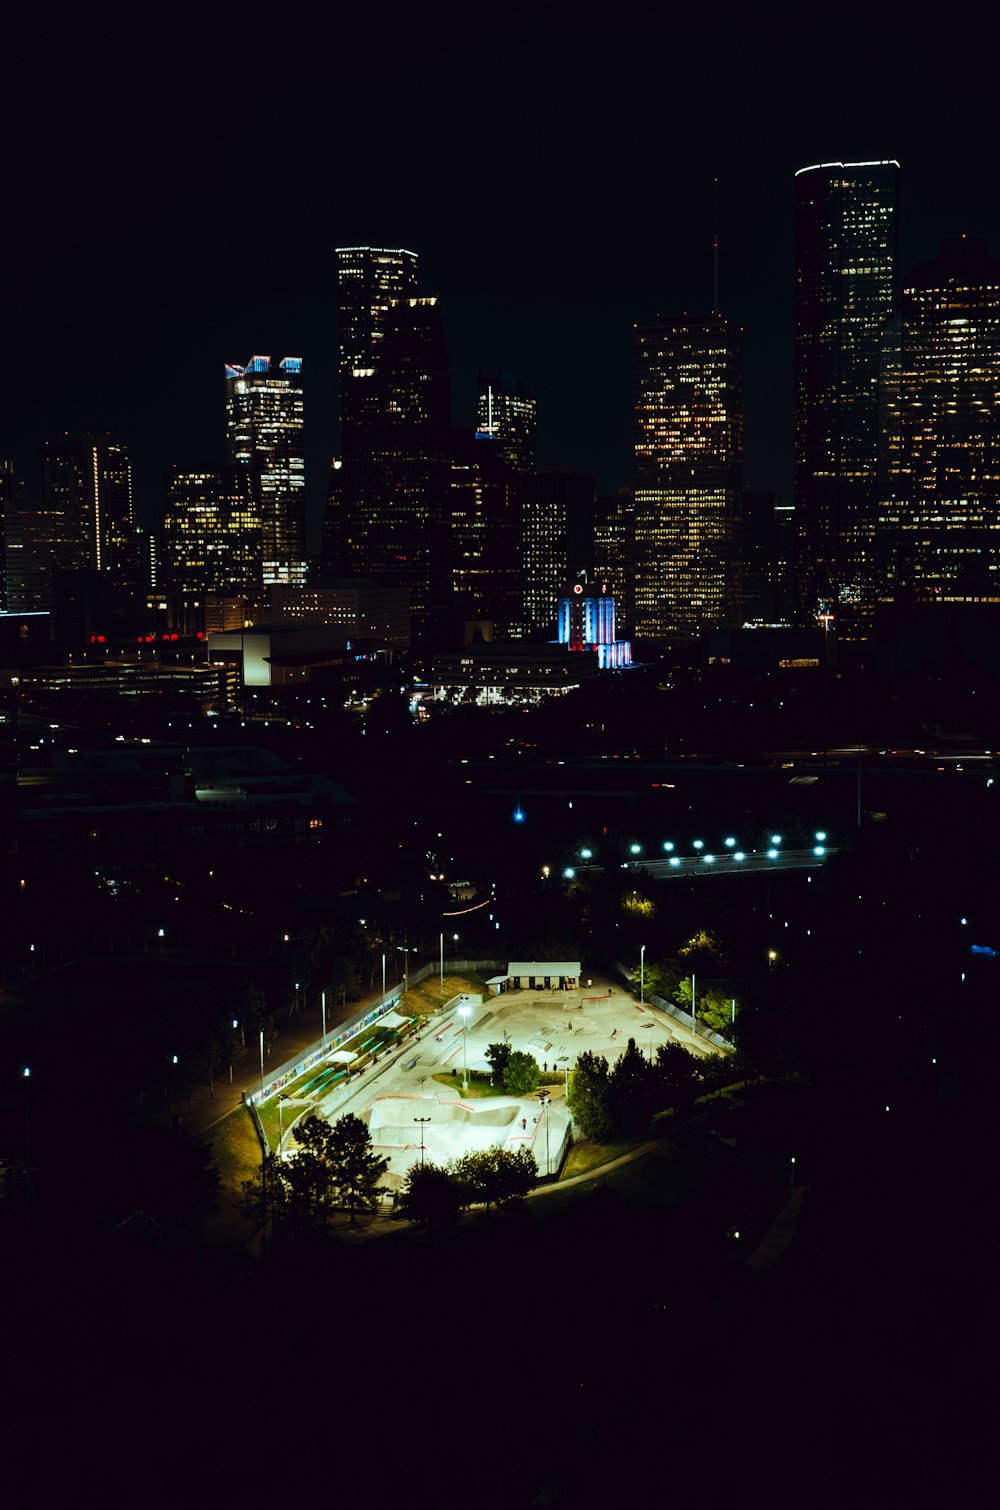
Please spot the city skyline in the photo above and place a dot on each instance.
(548, 289)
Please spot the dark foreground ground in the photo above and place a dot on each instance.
(583, 1351)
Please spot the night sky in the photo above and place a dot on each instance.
(175, 188)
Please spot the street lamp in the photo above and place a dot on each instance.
(421, 1120)
(322, 1002)
(383, 978)
(545, 1098)
(281, 1129)
(442, 962)
(642, 974)
(464, 1013)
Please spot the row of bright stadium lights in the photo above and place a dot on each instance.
(819, 849)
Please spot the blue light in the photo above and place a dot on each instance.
(819, 850)
(569, 873)
(586, 854)
(772, 854)
(699, 844)
(820, 835)
(708, 859)
(518, 815)
(739, 855)
(775, 838)
(730, 843)
(667, 845)
(291, 364)
(635, 849)
(674, 860)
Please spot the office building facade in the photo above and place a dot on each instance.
(845, 253)
(688, 473)
(265, 432)
(506, 421)
(87, 479)
(212, 535)
(939, 523)
(369, 280)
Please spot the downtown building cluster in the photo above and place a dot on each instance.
(896, 496)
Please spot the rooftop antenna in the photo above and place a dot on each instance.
(715, 248)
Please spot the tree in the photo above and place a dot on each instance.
(715, 1010)
(521, 1074)
(588, 1096)
(676, 1076)
(246, 1002)
(659, 978)
(266, 1193)
(354, 1166)
(702, 948)
(497, 1055)
(495, 1176)
(631, 1096)
(431, 1196)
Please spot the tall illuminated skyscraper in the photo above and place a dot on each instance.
(369, 280)
(389, 507)
(688, 473)
(88, 479)
(264, 421)
(506, 421)
(940, 506)
(845, 241)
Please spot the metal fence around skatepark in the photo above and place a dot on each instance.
(275, 1080)
(678, 1013)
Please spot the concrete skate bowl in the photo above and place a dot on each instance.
(455, 1127)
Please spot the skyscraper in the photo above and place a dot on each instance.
(264, 421)
(767, 560)
(88, 479)
(688, 472)
(557, 534)
(388, 514)
(506, 420)
(369, 279)
(614, 552)
(212, 539)
(845, 239)
(940, 505)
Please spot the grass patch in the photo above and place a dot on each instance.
(429, 996)
(585, 1155)
(235, 1148)
(479, 1083)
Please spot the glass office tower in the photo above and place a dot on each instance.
(264, 421)
(845, 240)
(688, 473)
(940, 507)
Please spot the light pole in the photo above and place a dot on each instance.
(422, 1121)
(281, 1130)
(261, 1064)
(235, 1026)
(694, 1017)
(383, 977)
(322, 1002)
(642, 974)
(791, 1177)
(442, 962)
(464, 1013)
(545, 1098)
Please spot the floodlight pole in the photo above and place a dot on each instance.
(421, 1120)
